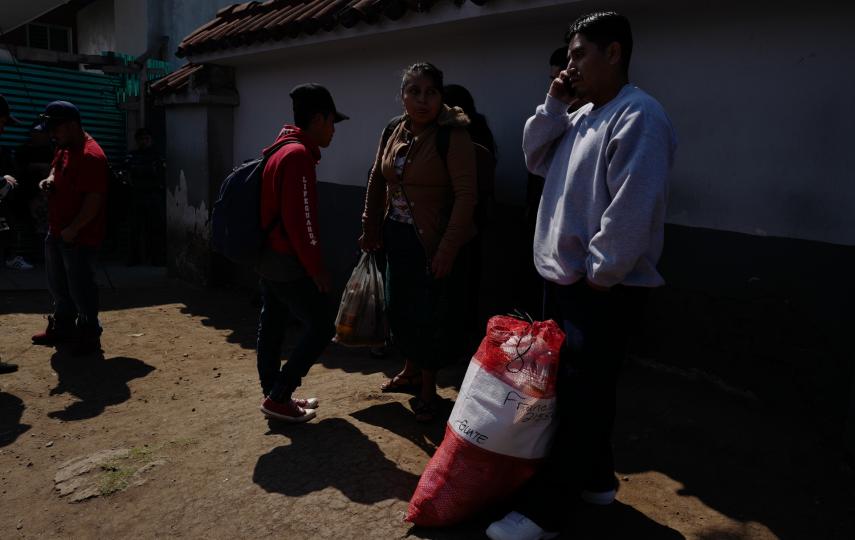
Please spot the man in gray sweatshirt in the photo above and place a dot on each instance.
(599, 235)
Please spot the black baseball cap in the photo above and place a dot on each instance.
(315, 98)
(58, 112)
(5, 111)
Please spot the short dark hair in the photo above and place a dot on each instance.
(605, 28)
(423, 69)
(559, 57)
(142, 132)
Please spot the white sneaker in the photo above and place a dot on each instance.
(287, 412)
(307, 403)
(516, 526)
(18, 263)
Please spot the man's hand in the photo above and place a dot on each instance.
(558, 88)
(368, 244)
(441, 265)
(69, 234)
(46, 185)
(322, 282)
(11, 181)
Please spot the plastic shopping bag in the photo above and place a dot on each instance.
(501, 426)
(361, 319)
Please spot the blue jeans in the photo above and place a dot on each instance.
(301, 299)
(71, 282)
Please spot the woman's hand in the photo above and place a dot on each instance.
(368, 243)
(441, 264)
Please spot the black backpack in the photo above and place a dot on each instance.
(236, 229)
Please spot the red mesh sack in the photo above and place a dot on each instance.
(500, 428)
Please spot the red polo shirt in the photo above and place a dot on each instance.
(78, 172)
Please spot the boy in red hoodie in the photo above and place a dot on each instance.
(293, 279)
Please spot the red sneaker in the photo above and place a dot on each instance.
(306, 403)
(287, 412)
(54, 333)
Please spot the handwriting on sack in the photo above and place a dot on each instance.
(469, 432)
(529, 411)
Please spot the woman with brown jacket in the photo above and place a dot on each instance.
(419, 205)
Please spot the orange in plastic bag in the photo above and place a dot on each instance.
(361, 319)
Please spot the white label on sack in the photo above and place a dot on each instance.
(495, 416)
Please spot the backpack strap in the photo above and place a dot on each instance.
(443, 137)
(390, 127)
(277, 221)
(443, 141)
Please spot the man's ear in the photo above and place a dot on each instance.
(317, 120)
(614, 53)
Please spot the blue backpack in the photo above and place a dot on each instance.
(236, 230)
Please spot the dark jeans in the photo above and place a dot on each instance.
(598, 326)
(71, 281)
(302, 300)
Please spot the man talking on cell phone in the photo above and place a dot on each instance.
(599, 235)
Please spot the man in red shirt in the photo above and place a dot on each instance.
(293, 278)
(77, 188)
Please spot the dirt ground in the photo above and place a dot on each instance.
(162, 437)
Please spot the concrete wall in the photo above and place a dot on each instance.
(142, 23)
(132, 25)
(762, 114)
(96, 28)
(188, 199)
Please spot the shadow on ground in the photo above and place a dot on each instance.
(11, 411)
(123, 298)
(332, 452)
(358, 360)
(97, 382)
(398, 419)
(740, 457)
(615, 522)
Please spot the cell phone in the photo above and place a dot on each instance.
(568, 87)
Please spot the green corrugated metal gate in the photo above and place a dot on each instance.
(29, 87)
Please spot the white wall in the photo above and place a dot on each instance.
(96, 28)
(761, 103)
(507, 80)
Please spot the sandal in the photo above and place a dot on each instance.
(403, 383)
(424, 410)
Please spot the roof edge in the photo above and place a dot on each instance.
(443, 13)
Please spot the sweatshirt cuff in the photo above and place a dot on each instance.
(554, 106)
(598, 278)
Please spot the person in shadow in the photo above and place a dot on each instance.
(419, 207)
(456, 95)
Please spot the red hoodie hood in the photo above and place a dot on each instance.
(294, 134)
